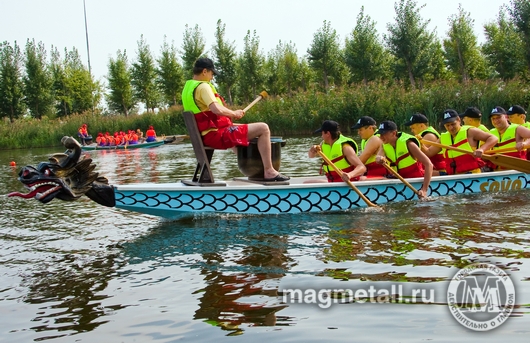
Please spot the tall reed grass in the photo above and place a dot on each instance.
(300, 114)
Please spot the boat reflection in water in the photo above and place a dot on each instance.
(242, 262)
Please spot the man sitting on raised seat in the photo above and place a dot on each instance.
(214, 119)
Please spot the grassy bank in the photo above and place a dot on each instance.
(299, 114)
(28, 132)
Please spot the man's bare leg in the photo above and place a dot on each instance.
(261, 130)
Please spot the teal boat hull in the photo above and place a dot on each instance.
(174, 200)
(122, 147)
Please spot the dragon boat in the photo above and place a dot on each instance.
(122, 147)
(69, 176)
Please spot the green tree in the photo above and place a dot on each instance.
(250, 68)
(325, 55)
(59, 86)
(79, 81)
(193, 45)
(37, 80)
(434, 62)
(224, 53)
(283, 70)
(120, 96)
(273, 70)
(74, 89)
(409, 41)
(520, 13)
(170, 78)
(364, 53)
(462, 52)
(292, 75)
(144, 76)
(504, 48)
(11, 84)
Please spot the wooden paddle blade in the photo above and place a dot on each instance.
(509, 162)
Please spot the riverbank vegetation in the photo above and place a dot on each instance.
(390, 76)
(295, 115)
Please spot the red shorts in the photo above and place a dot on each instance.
(227, 137)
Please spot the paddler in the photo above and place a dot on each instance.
(341, 150)
(419, 125)
(370, 144)
(405, 156)
(517, 115)
(509, 135)
(464, 137)
(472, 117)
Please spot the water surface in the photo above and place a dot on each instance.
(77, 271)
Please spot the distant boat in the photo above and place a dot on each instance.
(122, 147)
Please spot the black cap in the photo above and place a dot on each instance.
(362, 122)
(516, 109)
(386, 126)
(472, 112)
(205, 63)
(497, 110)
(449, 116)
(328, 125)
(417, 118)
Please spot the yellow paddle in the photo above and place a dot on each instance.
(352, 186)
(503, 150)
(261, 95)
(504, 161)
(396, 174)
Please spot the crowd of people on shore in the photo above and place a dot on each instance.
(118, 138)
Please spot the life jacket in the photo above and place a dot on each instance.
(527, 125)
(458, 162)
(373, 169)
(334, 153)
(206, 120)
(507, 140)
(401, 159)
(438, 161)
(483, 128)
(150, 133)
(83, 132)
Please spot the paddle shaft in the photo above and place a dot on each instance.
(260, 96)
(504, 161)
(352, 186)
(396, 174)
(503, 150)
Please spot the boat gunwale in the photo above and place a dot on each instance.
(297, 183)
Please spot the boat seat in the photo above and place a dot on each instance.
(203, 173)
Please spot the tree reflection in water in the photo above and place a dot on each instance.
(70, 290)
